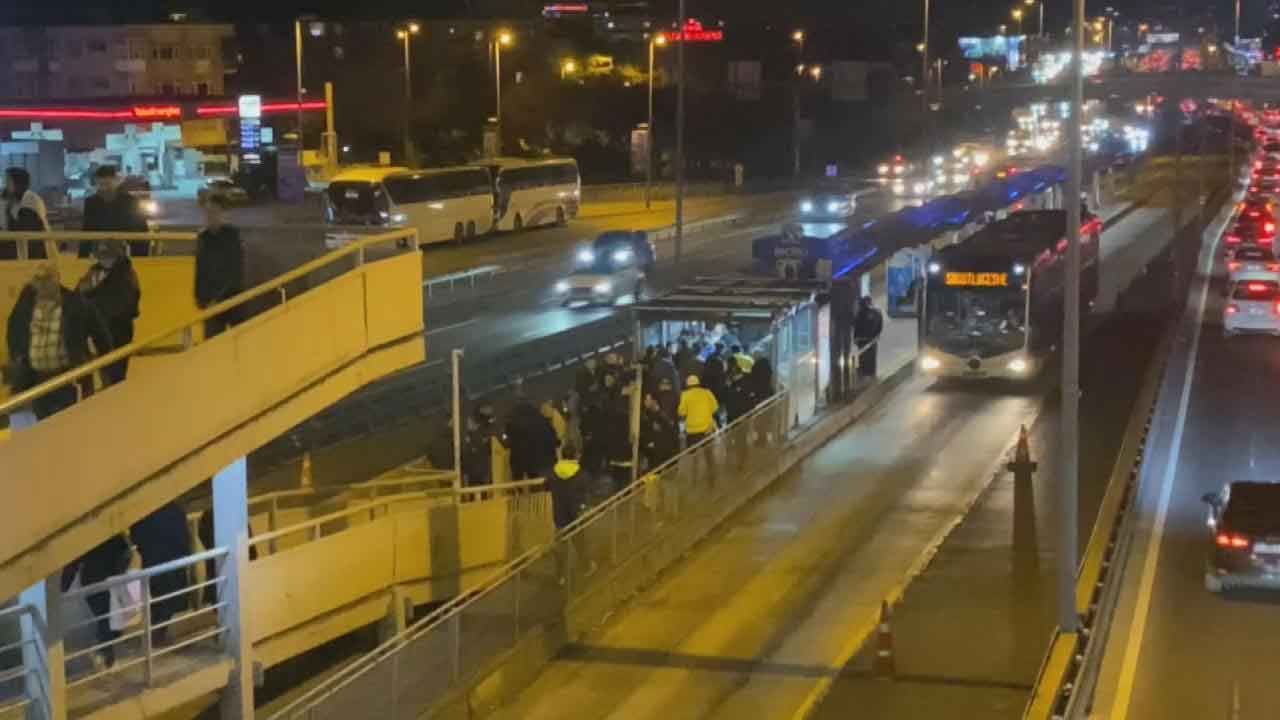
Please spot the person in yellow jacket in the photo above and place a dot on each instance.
(698, 408)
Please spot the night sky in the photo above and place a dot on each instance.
(951, 16)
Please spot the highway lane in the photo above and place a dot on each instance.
(772, 600)
(1176, 650)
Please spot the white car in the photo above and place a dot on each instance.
(614, 267)
(1252, 263)
(1253, 306)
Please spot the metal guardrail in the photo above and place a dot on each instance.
(192, 327)
(681, 500)
(469, 278)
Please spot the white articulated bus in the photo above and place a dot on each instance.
(530, 193)
(445, 204)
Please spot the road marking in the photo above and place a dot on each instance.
(454, 326)
(1133, 648)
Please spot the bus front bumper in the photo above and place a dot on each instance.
(1009, 366)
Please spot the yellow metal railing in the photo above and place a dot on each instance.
(141, 442)
(191, 327)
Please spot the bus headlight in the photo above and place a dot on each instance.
(586, 257)
(1018, 365)
(150, 207)
(806, 206)
(562, 287)
(929, 363)
(621, 256)
(833, 206)
(603, 288)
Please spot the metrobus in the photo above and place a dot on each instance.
(529, 193)
(993, 304)
(442, 204)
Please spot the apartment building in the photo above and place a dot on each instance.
(76, 62)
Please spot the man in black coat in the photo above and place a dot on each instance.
(219, 265)
(161, 537)
(867, 325)
(111, 209)
(49, 333)
(532, 440)
(659, 434)
(111, 287)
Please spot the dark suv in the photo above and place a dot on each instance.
(1245, 547)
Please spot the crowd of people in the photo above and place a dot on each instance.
(581, 443)
(54, 328)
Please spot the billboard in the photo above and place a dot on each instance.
(995, 47)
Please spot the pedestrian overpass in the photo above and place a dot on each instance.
(191, 410)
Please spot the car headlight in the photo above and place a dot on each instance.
(960, 179)
(151, 207)
(883, 169)
(899, 188)
(806, 206)
(935, 268)
(929, 362)
(586, 257)
(921, 188)
(833, 206)
(562, 287)
(399, 218)
(603, 288)
(621, 256)
(1018, 365)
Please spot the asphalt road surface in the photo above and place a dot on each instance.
(1176, 650)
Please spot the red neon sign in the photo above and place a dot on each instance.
(157, 112)
(284, 107)
(693, 32)
(557, 9)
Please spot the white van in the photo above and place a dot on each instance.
(529, 193)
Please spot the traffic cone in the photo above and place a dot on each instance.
(884, 666)
(1022, 466)
(304, 477)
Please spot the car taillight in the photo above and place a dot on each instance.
(1253, 213)
(1257, 164)
(1233, 266)
(1232, 309)
(1269, 227)
(1256, 287)
(1232, 541)
(1273, 267)
(1233, 239)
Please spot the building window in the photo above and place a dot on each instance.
(202, 89)
(133, 88)
(166, 89)
(97, 46)
(100, 83)
(339, 52)
(202, 52)
(162, 53)
(137, 50)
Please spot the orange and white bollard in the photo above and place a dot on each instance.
(884, 665)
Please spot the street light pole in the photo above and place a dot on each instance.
(1068, 486)
(297, 62)
(405, 34)
(924, 51)
(654, 42)
(503, 37)
(1237, 42)
(680, 71)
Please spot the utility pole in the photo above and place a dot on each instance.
(680, 71)
(457, 424)
(1068, 497)
(297, 60)
(924, 51)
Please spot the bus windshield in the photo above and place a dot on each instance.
(975, 321)
(356, 203)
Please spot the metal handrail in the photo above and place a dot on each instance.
(146, 573)
(19, 401)
(388, 500)
(501, 575)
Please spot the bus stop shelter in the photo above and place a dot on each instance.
(782, 320)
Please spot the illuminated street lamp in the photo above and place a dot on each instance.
(568, 67)
(657, 41)
(815, 72)
(797, 37)
(501, 39)
(1017, 15)
(404, 34)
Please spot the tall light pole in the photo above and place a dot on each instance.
(658, 40)
(503, 38)
(297, 64)
(1237, 42)
(1068, 497)
(1041, 25)
(1017, 15)
(924, 52)
(680, 28)
(405, 34)
(797, 39)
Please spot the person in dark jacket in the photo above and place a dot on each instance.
(108, 559)
(567, 485)
(659, 434)
(111, 287)
(532, 441)
(219, 264)
(161, 537)
(760, 381)
(50, 331)
(867, 325)
(24, 210)
(111, 209)
(477, 453)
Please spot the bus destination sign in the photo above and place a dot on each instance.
(977, 279)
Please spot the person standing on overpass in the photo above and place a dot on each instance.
(219, 265)
(111, 287)
(112, 210)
